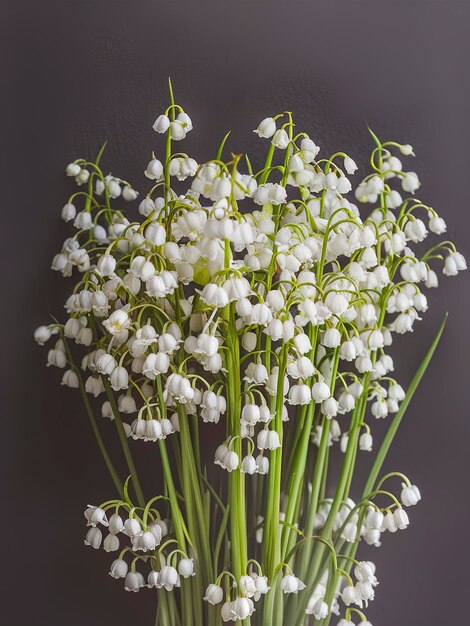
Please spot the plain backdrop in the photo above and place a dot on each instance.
(78, 73)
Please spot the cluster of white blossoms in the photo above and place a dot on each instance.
(144, 536)
(244, 320)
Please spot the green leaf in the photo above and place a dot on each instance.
(221, 146)
(98, 156)
(248, 165)
(374, 137)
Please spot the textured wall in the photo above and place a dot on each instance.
(81, 72)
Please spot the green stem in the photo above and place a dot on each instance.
(271, 539)
(198, 525)
(320, 469)
(124, 443)
(94, 426)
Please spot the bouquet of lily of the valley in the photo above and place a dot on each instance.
(238, 333)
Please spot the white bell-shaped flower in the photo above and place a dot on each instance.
(93, 538)
(410, 495)
(132, 582)
(291, 584)
(118, 569)
(214, 594)
(111, 543)
(249, 465)
(116, 525)
(300, 395)
(154, 170)
(266, 128)
(320, 391)
(186, 568)
(168, 578)
(152, 579)
(161, 124)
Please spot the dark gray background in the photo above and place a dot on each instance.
(81, 72)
